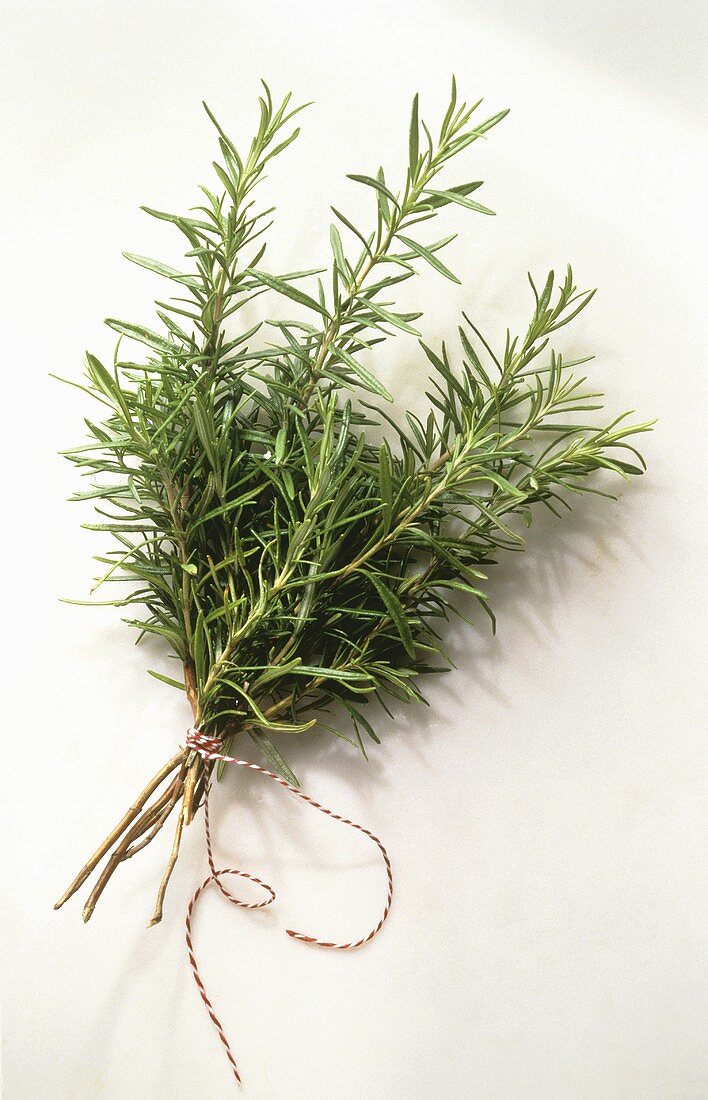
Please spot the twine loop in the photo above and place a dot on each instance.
(201, 743)
(211, 751)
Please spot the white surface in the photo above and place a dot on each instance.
(547, 815)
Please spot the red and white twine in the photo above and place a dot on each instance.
(209, 748)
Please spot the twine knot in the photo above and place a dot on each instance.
(203, 744)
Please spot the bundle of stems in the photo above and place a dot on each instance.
(295, 568)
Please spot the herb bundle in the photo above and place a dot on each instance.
(295, 568)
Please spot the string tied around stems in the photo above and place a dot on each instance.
(211, 751)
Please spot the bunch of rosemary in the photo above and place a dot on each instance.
(288, 562)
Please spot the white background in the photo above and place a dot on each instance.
(547, 815)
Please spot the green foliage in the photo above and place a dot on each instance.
(285, 559)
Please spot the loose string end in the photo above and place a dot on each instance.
(209, 748)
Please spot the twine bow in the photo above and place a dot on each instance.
(209, 748)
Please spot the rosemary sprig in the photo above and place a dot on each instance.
(288, 562)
